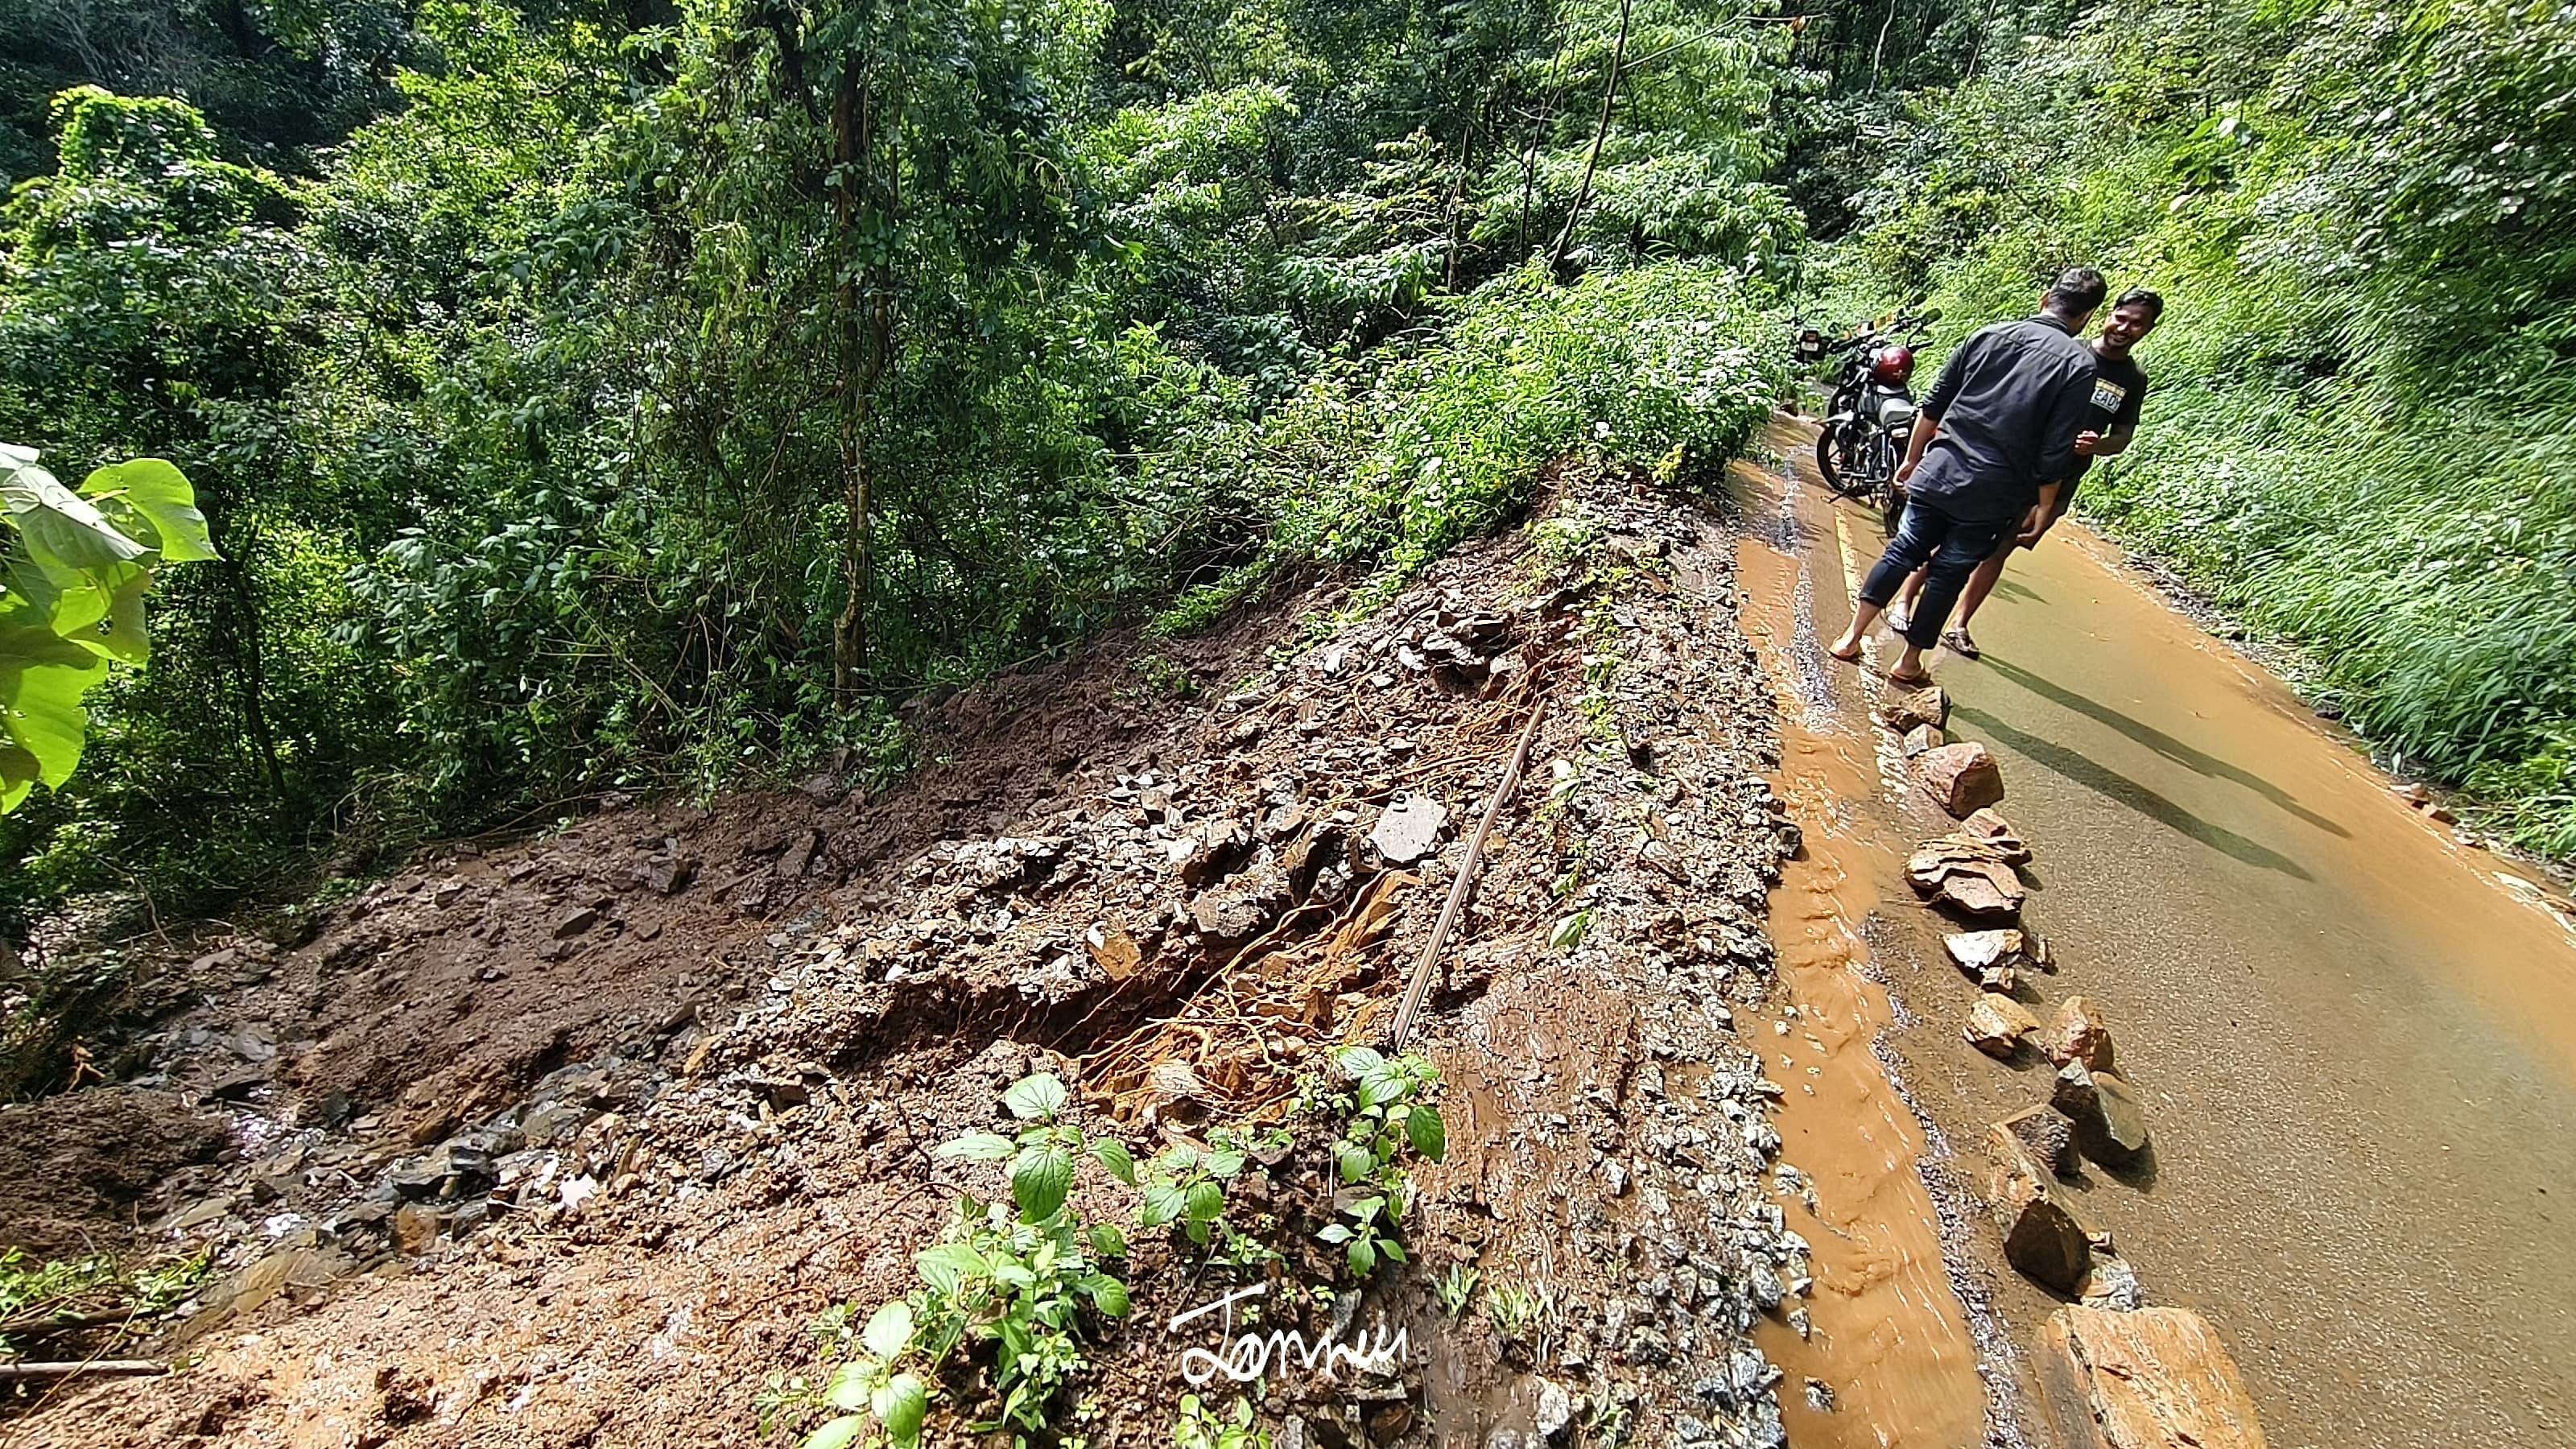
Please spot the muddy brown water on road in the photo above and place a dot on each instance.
(1890, 1341)
(2357, 1042)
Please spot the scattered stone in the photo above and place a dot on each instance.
(2079, 1034)
(2043, 1239)
(1928, 707)
(1555, 1409)
(1997, 1024)
(2157, 1378)
(2121, 1118)
(1922, 738)
(1409, 829)
(2441, 815)
(1963, 778)
(1967, 875)
(415, 1229)
(2073, 1094)
(1214, 855)
(670, 874)
(576, 923)
(1229, 917)
(2112, 1285)
(2045, 1133)
(1993, 957)
(1992, 828)
(2411, 793)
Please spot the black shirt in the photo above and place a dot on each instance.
(2010, 401)
(2119, 389)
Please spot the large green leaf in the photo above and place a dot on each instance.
(152, 495)
(42, 680)
(900, 1406)
(1039, 1097)
(889, 1330)
(62, 529)
(1039, 1182)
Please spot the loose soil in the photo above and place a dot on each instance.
(569, 1141)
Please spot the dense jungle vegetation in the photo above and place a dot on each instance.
(617, 394)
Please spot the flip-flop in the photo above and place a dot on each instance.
(1909, 681)
(1851, 658)
(1958, 642)
(1900, 621)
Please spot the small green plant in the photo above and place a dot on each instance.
(33, 1289)
(1162, 676)
(1014, 1281)
(1184, 1186)
(1456, 1288)
(1386, 1114)
(1519, 1312)
(1200, 1427)
(1607, 1424)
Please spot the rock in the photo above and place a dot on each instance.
(670, 874)
(1231, 916)
(1904, 713)
(415, 1229)
(2112, 1284)
(2079, 1034)
(2412, 794)
(1963, 779)
(2154, 1379)
(1967, 875)
(1992, 828)
(1923, 737)
(1555, 1409)
(1993, 957)
(2045, 1134)
(2042, 1238)
(1219, 847)
(2073, 1094)
(1409, 829)
(2441, 815)
(2122, 1120)
(799, 855)
(1389, 1422)
(1997, 1024)
(576, 923)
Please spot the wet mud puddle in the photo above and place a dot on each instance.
(1889, 1358)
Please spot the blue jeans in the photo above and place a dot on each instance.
(1951, 547)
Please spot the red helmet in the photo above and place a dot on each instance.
(1892, 364)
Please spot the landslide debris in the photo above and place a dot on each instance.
(573, 1139)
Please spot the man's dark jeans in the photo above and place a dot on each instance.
(1952, 547)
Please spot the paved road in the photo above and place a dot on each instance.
(2358, 1046)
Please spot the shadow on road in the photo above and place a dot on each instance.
(2199, 761)
(2115, 786)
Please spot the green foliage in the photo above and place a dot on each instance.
(2355, 443)
(32, 1289)
(1521, 1313)
(1184, 1186)
(1200, 1427)
(1385, 1118)
(74, 569)
(1456, 1288)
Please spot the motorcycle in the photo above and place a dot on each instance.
(1869, 420)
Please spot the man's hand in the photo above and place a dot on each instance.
(1905, 472)
(2036, 524)
(2086, 442)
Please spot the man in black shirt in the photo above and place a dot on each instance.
(1995, 434)
(2119, 390)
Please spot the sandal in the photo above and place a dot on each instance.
(1900, 619)
(1852, 658)
(1909, 681)
(1958, 642)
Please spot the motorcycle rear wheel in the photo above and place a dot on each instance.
(1835, 466)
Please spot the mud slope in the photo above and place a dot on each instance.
(570, 1142)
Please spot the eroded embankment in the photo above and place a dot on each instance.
(569, 1141)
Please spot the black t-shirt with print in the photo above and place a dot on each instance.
(2119, 388)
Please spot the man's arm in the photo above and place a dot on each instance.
(2043, 513)
(2066, 410)
(2116, 441)
(1925, 425)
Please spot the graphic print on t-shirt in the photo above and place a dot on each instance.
(2108, 395)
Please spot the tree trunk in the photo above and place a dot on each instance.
(1600, 133)
(867, 326)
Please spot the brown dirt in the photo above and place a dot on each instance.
(75, 1169)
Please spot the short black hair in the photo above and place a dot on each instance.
(2141, 297)
(2077, 289)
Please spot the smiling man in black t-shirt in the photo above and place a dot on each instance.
(2119, 390)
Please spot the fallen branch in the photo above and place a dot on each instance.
(38, 1325)
(117, 1368)
(1421, 983)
